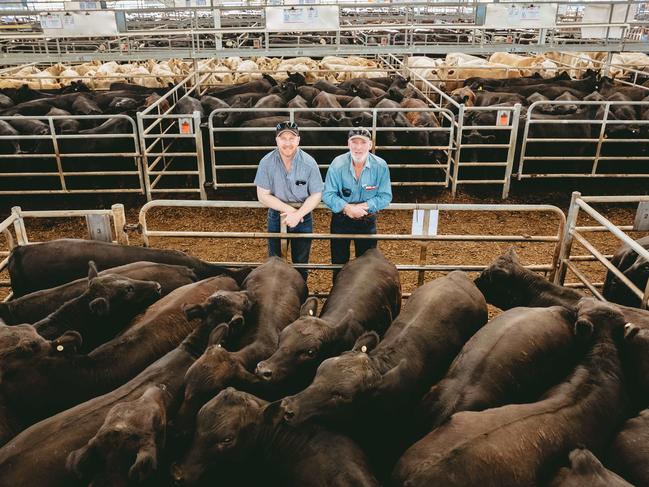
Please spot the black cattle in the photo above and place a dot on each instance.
(7, 130)
(235, 119)
(507, 284)
(257, 86)
(437, 320)
(210, 104)
(38, 455)
(32, 267)
(270, 300)
(65, 125)
(102, 310)
(121, 104)
(236, 426)
(366, 295)
(307, 137)
(586, 470)
(187, 105)
(84, 105)
(608, 86)
(35, 386)
(308, 92)
(492, 84)
(486, 99)
(37, 305)
(634, 267)
(628, 454)
(512, 359)
(325, 86)
(128, 444)
(28, 126)
(521, 444)
(5, 102)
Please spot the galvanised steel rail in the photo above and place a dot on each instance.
(147, 233)
(436, 172)
(566, 261)
(534, 147)
(61, 163)
(398, 28)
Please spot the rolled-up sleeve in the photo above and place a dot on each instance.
(331, 195)
(384, 192)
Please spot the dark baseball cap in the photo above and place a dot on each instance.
(290, 126)
(359, 132)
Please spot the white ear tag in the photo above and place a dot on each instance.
(59, 348)
(310, 312)
(364, 349)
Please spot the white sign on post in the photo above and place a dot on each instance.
(51, 21)
(504, 15)
(295, 18)
(418, 222)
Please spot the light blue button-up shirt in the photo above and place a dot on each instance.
(372, 187)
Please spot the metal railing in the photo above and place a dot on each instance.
(590, 151)
(71, 163)
(172, 145)
(425, 240)
(323, 141)
(573, 232)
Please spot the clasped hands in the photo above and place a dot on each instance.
(356, 210)
(292, 218)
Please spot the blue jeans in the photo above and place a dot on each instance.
(300, 247)
(340, 247)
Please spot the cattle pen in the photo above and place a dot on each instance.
(497, 336)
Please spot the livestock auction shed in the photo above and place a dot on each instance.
(500, 335)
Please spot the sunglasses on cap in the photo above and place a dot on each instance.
(282, 126)
(359, 132)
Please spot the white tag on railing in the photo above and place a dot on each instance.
(641, 222)
(418, 219)
(185, 126)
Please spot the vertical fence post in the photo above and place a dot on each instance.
(119, 222)
(424, 248)
(513, 138)
(19, 226)
(200, 159)
(144, 163)
(566, 240)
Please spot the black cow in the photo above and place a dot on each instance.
(48, 264)
(521, 444)
(128, 444)
(366, 295)
(586, 470)
(37, 305)
(628, 455)
(108, 304)
(38, 455)
(634, 267)
(236, 426)
(35, 386)
(512, 359)
(437, 320)
(270, 300)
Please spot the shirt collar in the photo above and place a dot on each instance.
(368, 163)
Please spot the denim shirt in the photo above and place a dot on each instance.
(372, 187)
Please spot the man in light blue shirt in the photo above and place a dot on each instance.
(289, 175)
(357, 187)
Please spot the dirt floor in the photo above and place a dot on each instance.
(525, 224)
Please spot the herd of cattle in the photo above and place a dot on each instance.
(163, 369)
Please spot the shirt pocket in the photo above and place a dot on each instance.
(369, 191)
(301, 191)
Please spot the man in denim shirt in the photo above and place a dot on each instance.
(357, 186)
(289, 175)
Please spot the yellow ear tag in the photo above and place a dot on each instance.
(59, 348)
(364, 349)
(479, 88)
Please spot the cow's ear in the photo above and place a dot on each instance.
(583, 329)
(194, 311)
(84, 462)
(145, 464)
(236, 323)
(69, 342)
(92, 270)
(218, 335)
(310, 307)
(366, 342)
(630, 330)
(511, 253)
(99, 306)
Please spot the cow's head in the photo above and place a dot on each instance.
(113, 293)
(597, 318)
(22, 346)
(498, 281)
(225, 428)
(304, 344)
(341, 383)
(221, 307)
(638, 274)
